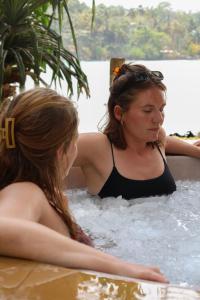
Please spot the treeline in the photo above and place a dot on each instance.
(138, 33)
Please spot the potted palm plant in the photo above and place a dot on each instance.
(29, 45)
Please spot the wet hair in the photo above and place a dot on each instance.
(44, 122)
(130, 80)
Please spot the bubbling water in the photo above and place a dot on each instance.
(162, 231)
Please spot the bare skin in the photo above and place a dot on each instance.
(141, 124)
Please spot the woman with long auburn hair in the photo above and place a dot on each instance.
(128, 157)
(38, 136)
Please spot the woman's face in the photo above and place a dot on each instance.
(145, 116)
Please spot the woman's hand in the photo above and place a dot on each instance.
(197, 143)
(180, 147)
(143, 272)
(150, 273)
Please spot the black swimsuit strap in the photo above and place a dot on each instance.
(111, 145)
(160, 153)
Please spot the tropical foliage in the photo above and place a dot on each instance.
(138, 33)
(29, 45)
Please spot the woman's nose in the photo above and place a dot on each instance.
(158, 117)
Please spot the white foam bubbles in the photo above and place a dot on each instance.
(162, 231)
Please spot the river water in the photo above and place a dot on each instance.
(182, 78)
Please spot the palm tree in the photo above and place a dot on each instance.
(28, 45)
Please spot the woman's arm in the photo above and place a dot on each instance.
(173, 145)
(30, 240)
(176, 146)
(76, 177)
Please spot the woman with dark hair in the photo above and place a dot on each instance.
(38, 137)
(128, 158)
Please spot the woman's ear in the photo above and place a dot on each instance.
(59, 153)
(118, 113)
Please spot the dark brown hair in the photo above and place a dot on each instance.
(44, 121)
(127, 84)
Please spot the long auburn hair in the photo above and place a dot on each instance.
(44, 121)
(123, 92)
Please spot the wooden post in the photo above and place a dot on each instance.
(115, 62)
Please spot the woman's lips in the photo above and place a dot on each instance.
(154, 129)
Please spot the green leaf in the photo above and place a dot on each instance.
(71, 27)
(28, 42)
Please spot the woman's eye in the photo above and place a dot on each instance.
(147, 111)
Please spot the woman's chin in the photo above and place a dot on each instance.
(153, 138)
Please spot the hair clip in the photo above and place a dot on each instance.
(116, 71)
(7, 133)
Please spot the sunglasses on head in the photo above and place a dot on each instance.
(143, 76)
(132, 77)
(140, 76)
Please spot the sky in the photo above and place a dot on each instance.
(185, 5)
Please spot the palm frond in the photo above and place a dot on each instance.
(71, 26)
(29, 44)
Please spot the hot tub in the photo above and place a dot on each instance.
(163, 231)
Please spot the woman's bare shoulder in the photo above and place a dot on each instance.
(91, 137)
(18, 188)
(90, 146)
(22, 199)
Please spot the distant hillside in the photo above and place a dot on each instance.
(140, 33)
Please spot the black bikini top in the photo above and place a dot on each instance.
(117, 184)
